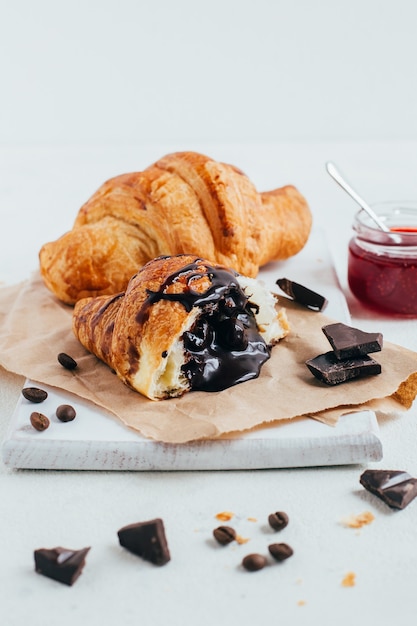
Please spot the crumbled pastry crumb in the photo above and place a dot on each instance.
(241, 540)
(301, 603)
(224, 516)
(252, 519)
(357, 521)
(349, 580)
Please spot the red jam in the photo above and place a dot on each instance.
(403, 229)
(382, 267)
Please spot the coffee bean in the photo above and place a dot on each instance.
(39, 421)
(278, 520)
(65, 413)
(280, 551)
(34, 394)
(224, 534)
(67, 361)
(254, 562)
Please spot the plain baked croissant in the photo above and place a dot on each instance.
(185, 203)
(183, 324)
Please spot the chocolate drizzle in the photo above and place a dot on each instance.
(224, 347)
(222, 281)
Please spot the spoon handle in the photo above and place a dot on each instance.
(335, 174)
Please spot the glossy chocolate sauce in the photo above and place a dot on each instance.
(224, 347)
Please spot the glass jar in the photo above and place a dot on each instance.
(382, 266)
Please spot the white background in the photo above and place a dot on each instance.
(93, 89)
(142, 71)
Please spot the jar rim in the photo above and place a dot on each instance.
(400, 216)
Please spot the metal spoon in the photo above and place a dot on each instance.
(335, 174)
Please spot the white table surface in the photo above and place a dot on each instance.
(41, 189)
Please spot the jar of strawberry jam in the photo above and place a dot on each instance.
(382, 266)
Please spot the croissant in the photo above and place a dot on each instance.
(185, 203)
(183, 324)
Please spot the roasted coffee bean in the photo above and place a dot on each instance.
(280, 551)
(65, 413)
(278, 520)
(34, 394)
(224, 534)
(67, 361)
(254, 562)
(39, 421)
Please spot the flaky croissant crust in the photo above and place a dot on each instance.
(185, 203)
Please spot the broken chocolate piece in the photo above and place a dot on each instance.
(327, 368)
(395, 488)
(147, 540)
(61, 564)
(348, 342)
(302, 294)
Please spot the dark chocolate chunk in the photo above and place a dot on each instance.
(147, 540)
(280, 551)
(254, 562)
(395, 488)
(327, 368)
(34, 394)
(278, 520)
(348, 342)
(61, 564)
(224, 535)
(301, 294)
(67, 361)
(65, 413)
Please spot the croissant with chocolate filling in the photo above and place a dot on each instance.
(183, 324)
(185, 203)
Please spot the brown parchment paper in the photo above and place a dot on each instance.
(35, 327)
